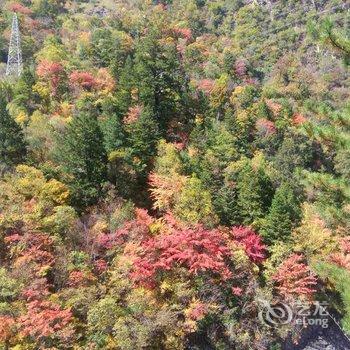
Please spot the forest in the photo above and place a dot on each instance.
(169, 168)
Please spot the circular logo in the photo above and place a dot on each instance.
(275, 314)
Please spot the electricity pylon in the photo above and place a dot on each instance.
(14, 59)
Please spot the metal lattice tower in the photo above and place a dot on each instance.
(14, 59)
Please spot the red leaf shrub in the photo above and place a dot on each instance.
(32, 248)
(206, 85)
(133, 114)
(19, 8)
(7, 326)
(274, 107)
(135, 230)
(342, 259)
(84, 80)
(265, 127)
(299, 119)
(240, 68)
(237, 291)
(185, 33)
(100, 266)
(294, 278)
(197, 311)
(52, 72)
(43, 319)
(196, 249)
(251, 241)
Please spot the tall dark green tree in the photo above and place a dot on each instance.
(283, 215)
(254, 194)
(12, 144)
(143, 135)
(83, 158)
(158, 76)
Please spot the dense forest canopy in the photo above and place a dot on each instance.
(167, 165)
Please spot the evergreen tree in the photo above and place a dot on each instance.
(283, 215)
(158, 77)
(254, 193)
(125, 86)
(83, 157)
(225, 204)
(12, 144)
(142, 138)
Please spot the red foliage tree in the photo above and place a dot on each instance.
(7, 328)
(265, 127)
(206, 85)
(19, 8)
(342, 258)
(185, 33)
(134, 230)
(52, 72)
(80, 278)
(251, 241)
(32, 248)
(299, 119)
(33, 253)
(133, 114)
(196, 249)
(240, 68)
(43, 319)
(84, 80)
(294, 278)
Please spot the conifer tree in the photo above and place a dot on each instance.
(83, 157)
(283, 215)
(254, 194)
(158, 77)
(142, 137)
(12, 144)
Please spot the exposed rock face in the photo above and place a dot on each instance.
(318, 338)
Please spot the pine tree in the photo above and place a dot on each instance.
(142, 138)
(158, 77)
(83, 157)
(12, 144)
(254, 194)
(283, 215)
(225, 204)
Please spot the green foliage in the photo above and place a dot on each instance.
(284, 214)
(12, 144)
(194, 203)
(142, 139)
(162, 142)
(9, 287)
(254, 194)
(83, 157)
(340, 280)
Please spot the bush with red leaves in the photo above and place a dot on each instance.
(133, 230)
(32, 248)
(294, 278)
(7, 327)
(206, 85)
(84, 80)
(342, 258)
(185, 33)
(265, 127)
(197, 249)
(251, 241)
(19, 8)
(52, 72)
(43, 319)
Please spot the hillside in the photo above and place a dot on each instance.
(174, 174)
